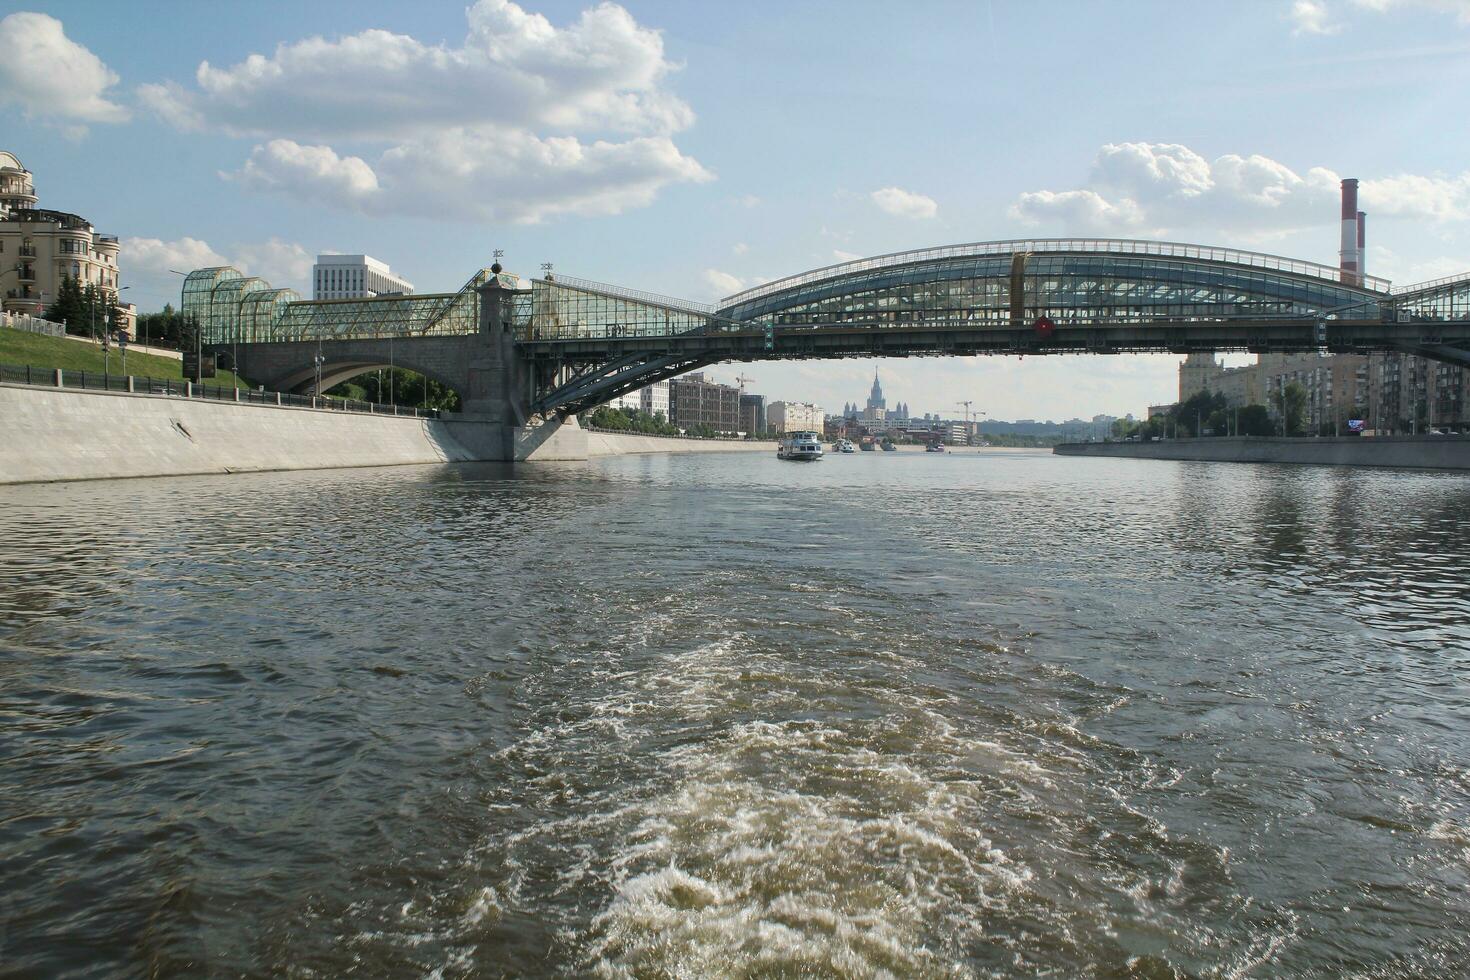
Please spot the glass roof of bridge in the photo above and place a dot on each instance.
(1121, 246)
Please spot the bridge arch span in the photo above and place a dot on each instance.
(291, 365)
(302, 380)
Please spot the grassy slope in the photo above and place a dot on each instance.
(20, 348)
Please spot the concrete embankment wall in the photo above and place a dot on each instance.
(1418, 452)
(625, 443)
(69, 434)
(51, 434)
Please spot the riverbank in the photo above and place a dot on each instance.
(18, 347)
(1412, 452)
(60, 434)
(601, 443)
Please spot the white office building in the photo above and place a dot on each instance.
(794, 417)
(354, 277)
(652, 400)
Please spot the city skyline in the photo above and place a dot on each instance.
(267, 145)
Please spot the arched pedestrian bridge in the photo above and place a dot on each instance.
(551, 347)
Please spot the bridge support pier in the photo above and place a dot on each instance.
(497, 423)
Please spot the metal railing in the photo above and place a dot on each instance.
(1433, 284)
(1116, 246)
(132, 384)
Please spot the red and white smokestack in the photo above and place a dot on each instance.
(1362, 243)
(1347, 255)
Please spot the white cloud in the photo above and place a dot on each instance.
(513, 69)
(747, 201)
(1078, 212)
(310, 172)
(154, 257)
(51, 77)
(149, 266)
(1312, 17)
(740, 248)
(722, 283)
(1459, 8)
(1160, 188)
(904, 204)
(510, 125)
(281, 263)
(1166, 168)
(1320, 17)
(842, 256)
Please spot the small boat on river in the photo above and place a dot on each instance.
(799, 447)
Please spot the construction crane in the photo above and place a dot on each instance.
(740, 379)
(968, 433)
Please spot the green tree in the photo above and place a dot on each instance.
(1254, 420)
(1191, 416)
(168, 328)
(1291, 404)
(69, 306)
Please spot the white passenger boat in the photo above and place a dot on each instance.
(845, 446)
(799, 446)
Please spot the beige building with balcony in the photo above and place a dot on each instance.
(39, 248)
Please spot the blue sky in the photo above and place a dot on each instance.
(692, 149)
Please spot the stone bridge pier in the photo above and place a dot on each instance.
(485, 368)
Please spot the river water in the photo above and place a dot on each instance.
(890, 714)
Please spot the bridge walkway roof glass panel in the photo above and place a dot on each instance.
(1180, 250)
(577, 309)
(198, 289)
(1095, 286)
(412, 315)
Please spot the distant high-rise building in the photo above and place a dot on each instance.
(753, 414)
(693, 401)
(654, 399)
(354, 277)
(875, 397)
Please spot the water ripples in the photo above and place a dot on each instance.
(662, 716)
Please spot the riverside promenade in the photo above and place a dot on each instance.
(1415, 452)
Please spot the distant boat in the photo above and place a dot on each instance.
(867, 445)
(934, 447)
(888, 446)
(845, 446)
(799, 447)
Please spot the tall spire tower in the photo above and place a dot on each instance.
(875, 400)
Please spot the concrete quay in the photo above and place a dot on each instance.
(1411, 452)
(53, 434)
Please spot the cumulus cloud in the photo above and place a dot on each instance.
(904, 204)
(51, 77)
(1321, 17)
(313, 172)
(1079, 212)
(150, 265)
(515, 123)
(842, 256)
(740, 248)
(281, 263)
(514, 68)
(492, 176)
(1312, 17)
(1155, 188)
(722, 283)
